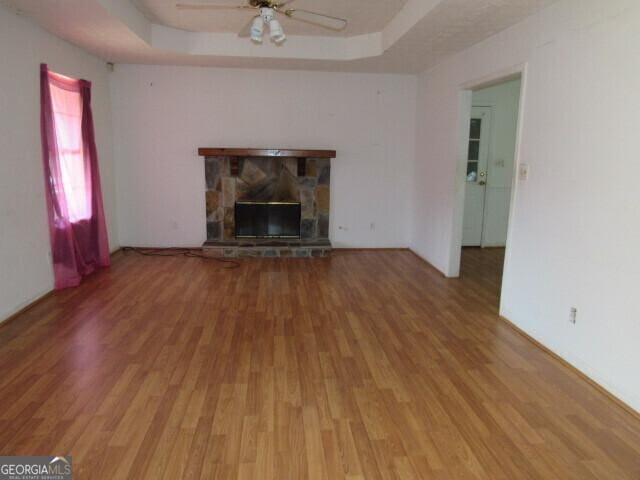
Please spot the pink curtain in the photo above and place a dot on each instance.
(77, 226)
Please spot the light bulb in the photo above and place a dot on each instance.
(257, 28)
(276, 31)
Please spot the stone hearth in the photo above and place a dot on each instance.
(269, 248)
(246, 178)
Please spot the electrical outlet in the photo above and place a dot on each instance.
(372, 226)
(523, 172)
(573, 315)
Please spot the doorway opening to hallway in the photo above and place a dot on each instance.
(488, 177)
(490, 164)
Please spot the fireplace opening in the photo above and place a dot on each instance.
(267, 219)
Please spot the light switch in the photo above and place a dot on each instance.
(523, 172)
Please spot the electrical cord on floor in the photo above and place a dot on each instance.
(180, 252)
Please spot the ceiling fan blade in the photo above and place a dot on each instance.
(283, 3)
(208, 6)
(314, 18)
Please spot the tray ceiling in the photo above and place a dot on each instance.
(394, 36)
(365, 16)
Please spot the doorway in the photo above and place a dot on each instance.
(491, 147)
(490, 164)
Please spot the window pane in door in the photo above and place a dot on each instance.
(474, 149)
(472, 171)
(474, 131)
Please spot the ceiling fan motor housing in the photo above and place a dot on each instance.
(267, 14)
(259, 3)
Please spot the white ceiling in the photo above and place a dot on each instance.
(397, 36)
(365, 16)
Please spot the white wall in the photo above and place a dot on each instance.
(575, 229)
(503, 100)
(25, 267)
(163, 114)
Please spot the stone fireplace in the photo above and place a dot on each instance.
(267, 202)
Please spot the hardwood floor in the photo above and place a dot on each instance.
(366, 365)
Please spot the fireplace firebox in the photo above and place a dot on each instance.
(267, 219)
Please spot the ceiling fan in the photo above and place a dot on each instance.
(267, 10)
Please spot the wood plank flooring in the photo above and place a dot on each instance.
(366, 365)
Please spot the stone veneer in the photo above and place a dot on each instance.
(267, 179)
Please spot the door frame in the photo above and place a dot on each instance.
(464, 116)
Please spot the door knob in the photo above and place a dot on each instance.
(482, 182)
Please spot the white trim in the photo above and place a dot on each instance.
(583, 367)
(514, 180)
(465, 102)
(35, 298)
(465, 98)
(7, 315)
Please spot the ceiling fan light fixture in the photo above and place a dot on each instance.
(267, 10)
(257, 29)
(276, 32)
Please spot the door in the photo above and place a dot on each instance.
(476, 175)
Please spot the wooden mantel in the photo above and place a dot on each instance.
(265, 152)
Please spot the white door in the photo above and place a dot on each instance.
(476, 174)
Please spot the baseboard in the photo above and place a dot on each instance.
(373, 249)
(25, 306)
(37, 299)
(427, 262)
(577, 371)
